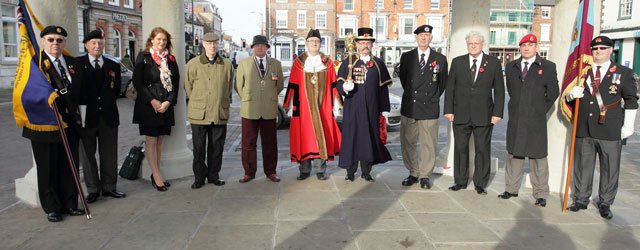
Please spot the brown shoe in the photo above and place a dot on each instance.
(274, 178)
(246, 178)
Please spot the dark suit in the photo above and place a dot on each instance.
(100, 89)
(473, 103)
(593, 138)
(56, 188)
(420, 109)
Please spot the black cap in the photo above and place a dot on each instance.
(602, 40)
(423, 29)
(314, 33)
(53, 29)
(365, 34)
(260, 39)
(92, 35)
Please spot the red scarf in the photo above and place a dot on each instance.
(158, 56)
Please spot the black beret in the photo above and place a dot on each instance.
(93, 34)
(602, 40)
(423, 29)
(314, 33)
(53, 29)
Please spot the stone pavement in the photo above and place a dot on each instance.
(313, 214)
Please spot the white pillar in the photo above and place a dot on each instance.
(48, 13)
(465, 17)
(558, 128)
(176, 156)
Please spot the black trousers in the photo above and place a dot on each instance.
(365, 167)
(208, 143)
(482, 143)
(105, 140)
(56, 187)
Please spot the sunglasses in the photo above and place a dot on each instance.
(58, 40)
(599, 48)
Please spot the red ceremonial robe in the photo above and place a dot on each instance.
(313, 131)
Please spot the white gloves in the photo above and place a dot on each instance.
(348, 86)
(385, 114)
(628, 125)
(576, 92)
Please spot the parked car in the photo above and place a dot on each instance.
(125, 73)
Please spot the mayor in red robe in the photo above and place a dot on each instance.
(314, 134)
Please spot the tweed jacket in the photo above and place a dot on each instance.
(259, 94)
(208, 89)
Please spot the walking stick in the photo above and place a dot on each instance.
(72, 165)
(573, 142)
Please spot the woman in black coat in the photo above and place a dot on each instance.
(156, 78)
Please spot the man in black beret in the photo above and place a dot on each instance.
(56, 188)
(603, 123)
(423, 74)
(101, 81)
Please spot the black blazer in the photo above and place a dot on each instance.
(422, 88)
(99, 92)
(625, 89)
(475, 102)
(67, 103)
(145, 75)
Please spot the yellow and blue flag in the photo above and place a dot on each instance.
(33, 95)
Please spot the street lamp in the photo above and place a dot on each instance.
(261, 21)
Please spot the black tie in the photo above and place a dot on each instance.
(525, 69)
(473, 70)
(422, 62)
(261, 68)
(63, 74)
(96, 64)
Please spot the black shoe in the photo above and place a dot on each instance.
(577, 207)
(54, 217)
(605, 212)
(92, 197)
(321, 176)
(73, 211)
(216, 182)
(425, 183)
(197, 184)
(167, 184)
(457, 187)
(350, 177)
(303, 176)
(506, 195)
(410, 180)
(541, 202)
(159, 188)
(114, 193)
(367, 177)
(481, 190)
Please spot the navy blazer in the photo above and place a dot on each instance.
(422, 86)
(100, 88)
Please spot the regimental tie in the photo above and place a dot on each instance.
(473, 70)
(422, 62)
(261, 65)
(595, 85)
(525, 69)
(63, 74)
(96, 64)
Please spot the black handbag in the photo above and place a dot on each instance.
(131, 166)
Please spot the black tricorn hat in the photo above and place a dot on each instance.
(365, 34)
(260, 39)
(53, 29)
(602, 40)
(314, 33)
(92, 35)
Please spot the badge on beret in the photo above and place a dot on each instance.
(531, 38)
(58, 30)
(426, 29)
(598, 39)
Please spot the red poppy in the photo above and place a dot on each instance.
(612, 69)
(71, 70)
(324, 60)
(434, 63)
(111, 73)
(539, 72)
(173, 59)
(370, 64)
(481, 70)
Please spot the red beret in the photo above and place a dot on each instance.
(529, 38)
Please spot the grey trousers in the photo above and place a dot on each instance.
(425, 131)
(585, 163)
(104, 139)
(319, 164)
(538, 171)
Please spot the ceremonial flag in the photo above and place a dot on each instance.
(33, 95)
(580, 59)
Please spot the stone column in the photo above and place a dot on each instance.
(176, 156)
(465, 18)
(48, 13)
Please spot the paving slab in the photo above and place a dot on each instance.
(602, 236)
(429, 202)
(531, 234)
(454, 228)
(318, 234)
(232, 237)
(241, 210)
(377, 214)
(387, 240)
(309, 205)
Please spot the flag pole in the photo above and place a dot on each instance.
(573, 139)
(72, 165)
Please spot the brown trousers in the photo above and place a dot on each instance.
(268, 132)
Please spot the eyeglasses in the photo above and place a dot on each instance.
(476, 44)
(58, 40)
(599, 48)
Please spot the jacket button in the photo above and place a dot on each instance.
(590, 114)
(591, 102)
(98, 98)
(414, 100)
(415, 91)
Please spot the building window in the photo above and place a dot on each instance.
(435, 4)
(379, 4)
(408, 4)
(492, 37)
(546, 12)
(132, 38)
(321, 1)
(545, 32)
(625, 8)
(347, 26)
(114, 2)
(321, 19)
(348, 5)
(281, 18)
(99, 1)
(128, 4)
(117, 40)
(544, 53)
(380, 30)
(281, 1)
(9, 32)
(512, 38)
(407, 25)
(302, 19)
(285, 52)
(494, 16)
(436, 23)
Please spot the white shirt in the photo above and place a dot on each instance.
(365, 58)
(603, 71)
(426, 54)
(530, 61)
(93, 59)
(313, 64)
(478, 64)
(55, 65)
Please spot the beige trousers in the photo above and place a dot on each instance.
(425, 131)
(538, 173)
